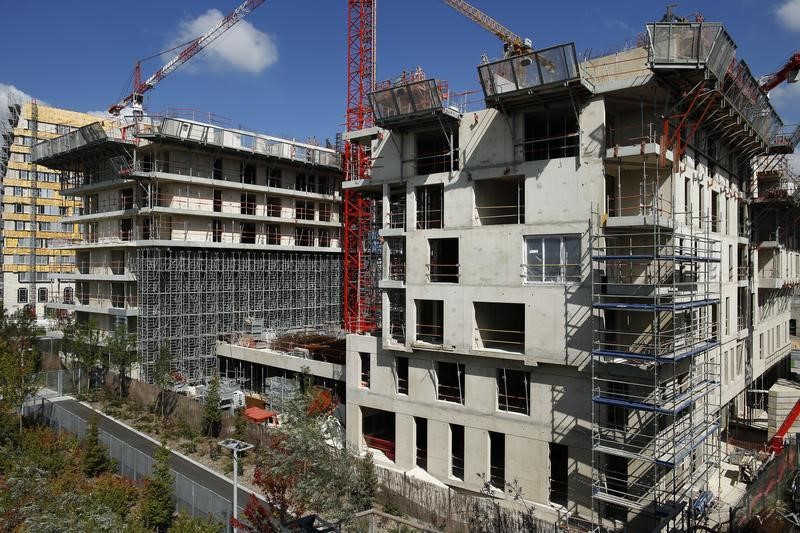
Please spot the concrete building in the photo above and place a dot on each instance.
(32, 208)
(575, 296)
(194, 230)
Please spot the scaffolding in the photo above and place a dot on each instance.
(655, 370)
(188, 298)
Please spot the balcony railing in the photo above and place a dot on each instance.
(443, 272)
(385, 446)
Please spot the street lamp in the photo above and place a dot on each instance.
(236, 446)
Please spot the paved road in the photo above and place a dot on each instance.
(221, 486)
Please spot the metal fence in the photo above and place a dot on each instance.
(190, 496)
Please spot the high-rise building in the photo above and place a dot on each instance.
(193, 230)
(583, 282)
(32, 209)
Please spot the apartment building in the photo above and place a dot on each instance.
(193, 230)
(32, 208)
(577, 294)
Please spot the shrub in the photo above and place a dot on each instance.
(115, 492)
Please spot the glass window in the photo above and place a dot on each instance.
(553, 259)
(22, 296)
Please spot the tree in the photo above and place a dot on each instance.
(82, 343)
(121, 349)
(162, 374)
(305, 466)
(158, 499)
(96, 459)
(212, 414)
(20, 361)
(184, 523)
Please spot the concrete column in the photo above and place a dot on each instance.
(405, 441)
(438, 449)
(528, 461)
(354, 431)
(476, 457)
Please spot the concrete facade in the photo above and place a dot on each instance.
(589, 160)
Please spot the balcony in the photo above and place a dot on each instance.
(414, 103)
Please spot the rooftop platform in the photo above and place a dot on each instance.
(537, 77)
(416, 104)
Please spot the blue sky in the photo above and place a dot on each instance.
(283, 71)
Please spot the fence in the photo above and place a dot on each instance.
(450, 511)
(766, 489)
(190, 497)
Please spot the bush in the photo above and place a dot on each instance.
(114, 492)
(188, 524)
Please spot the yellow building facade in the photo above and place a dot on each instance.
(34, 239)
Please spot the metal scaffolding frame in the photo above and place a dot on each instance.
(655, 369)
(188, 297)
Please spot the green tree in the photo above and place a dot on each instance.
(162, 374)
(81, 346)
(158, 498)
(96, 459)
(20, 360)
(300, 471)
(212, 414)
(121, 349)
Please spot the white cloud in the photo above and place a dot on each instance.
(789, 14)
(10, 94)
(243, 47)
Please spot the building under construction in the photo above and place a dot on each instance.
(581, 282)
(192, 229)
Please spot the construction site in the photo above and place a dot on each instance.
(579, 285)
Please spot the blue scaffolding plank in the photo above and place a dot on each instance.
(662, 359)
(685, 452)
(653, 306)
(682, 402)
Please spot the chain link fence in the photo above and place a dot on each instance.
(191, 497)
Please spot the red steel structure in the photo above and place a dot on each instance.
(360, 307)
(788, 73)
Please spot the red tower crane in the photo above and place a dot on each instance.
(358, 313)
(788, 73)
(189, 50)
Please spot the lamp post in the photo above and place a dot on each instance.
(236, 446)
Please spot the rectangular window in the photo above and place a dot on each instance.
(22, 296)
(559, 472)
(551, 133)
(500, 201)
(365, 369)
(117, 262)
(401, 365)
(324, 238)
(553, 259)
(430, 321)
(304, 210)
(126, 229)
(499, 326)
(450, 382)
(457, 451)
(216, 231)
(325, 212)
(248, 203)
(42, 295)
(248, 173)
(273, 206)
(248, 233)
(512, 391)
(497, 460)
(421, 426)
(430, 206)
(727, 315)
(273, 234)
(274, 179)
(715, 211)
(217, 201)
(217, 172)
(434, 152)
(303, 236)
(126, 199)
(792, 327)
(443, 266)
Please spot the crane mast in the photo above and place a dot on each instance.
(140, 87)
(515, 45)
